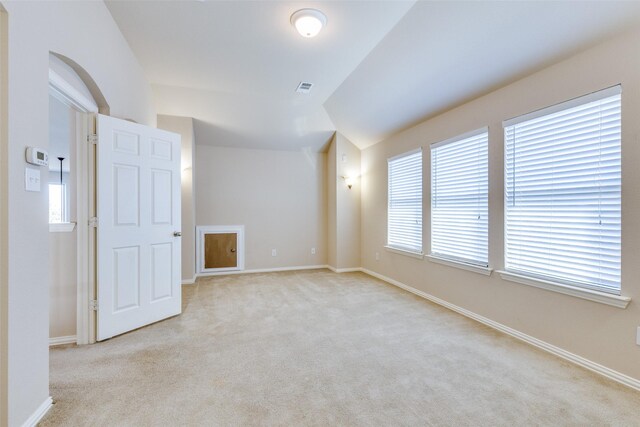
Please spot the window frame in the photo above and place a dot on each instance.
(64, 209)
(589, 291)
(442, 258)
(403, 250)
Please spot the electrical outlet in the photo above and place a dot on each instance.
(313, 251)
(377, 256)
(274, 252)
(638, 336)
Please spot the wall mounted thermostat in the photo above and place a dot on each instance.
(37, 156)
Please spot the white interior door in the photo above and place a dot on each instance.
(138, 209)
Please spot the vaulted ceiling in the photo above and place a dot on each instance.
(377, 68)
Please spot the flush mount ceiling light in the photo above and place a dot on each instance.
(308, 22)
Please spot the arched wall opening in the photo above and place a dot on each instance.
(78, 78)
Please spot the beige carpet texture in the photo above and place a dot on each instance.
(316, 348)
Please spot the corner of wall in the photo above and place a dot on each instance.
(184, 127)
(347, 203)
(3, 221)
(331, 203)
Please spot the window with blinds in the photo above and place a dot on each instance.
(404, 221)
(562, 192)
(459, 198)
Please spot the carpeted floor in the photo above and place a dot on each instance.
(319, 348)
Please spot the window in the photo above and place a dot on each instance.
(404, 223)
(57, 203)
(459, 198)
(562, 192)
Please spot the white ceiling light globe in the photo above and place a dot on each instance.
(308, 22)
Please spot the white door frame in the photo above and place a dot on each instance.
(85, 203)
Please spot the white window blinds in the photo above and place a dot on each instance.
(459, 198)
(404, 222)
(562, 192)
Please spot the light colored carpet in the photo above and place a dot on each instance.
(319, 348)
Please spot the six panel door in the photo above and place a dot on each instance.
(138, 244)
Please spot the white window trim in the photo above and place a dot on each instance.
(460, 264)
(575, 102)
(549, 285)
(400, 250)
(406, 252)
(64, 213)
(62, 227)
(446, 260)
(466, 135)
(404, 154)
(559, 285)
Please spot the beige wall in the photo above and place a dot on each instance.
(3, 220)
(63, 289)
(279, 196)
(332, 209)
(598, 332)
(86, 33)
(184, 127)
(347, 204)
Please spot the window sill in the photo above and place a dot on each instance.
(418, 255)
(462, 265)
(588, 294)
(62, 227)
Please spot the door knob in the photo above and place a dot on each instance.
(177, 234)
(232, 250)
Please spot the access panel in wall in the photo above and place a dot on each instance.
(220, 248)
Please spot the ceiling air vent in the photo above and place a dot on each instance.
(304, 87)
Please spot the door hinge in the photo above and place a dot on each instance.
(93, 222)
(92, 138)
(93, 305)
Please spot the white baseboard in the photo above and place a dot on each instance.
(343, 270)
(550, 348)
(190, 281)
(263, 270)
(36, 417)
(70, 339)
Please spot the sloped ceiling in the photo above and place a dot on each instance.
(443, 54)
(378, 67)
(234, 65)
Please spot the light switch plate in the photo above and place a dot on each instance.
(32, 179)
(638, 336)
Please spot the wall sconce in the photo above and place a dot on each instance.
(349, 180)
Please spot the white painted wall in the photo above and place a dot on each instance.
(184, 127)
(279, 196)
(598, 332)
(86, 33)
